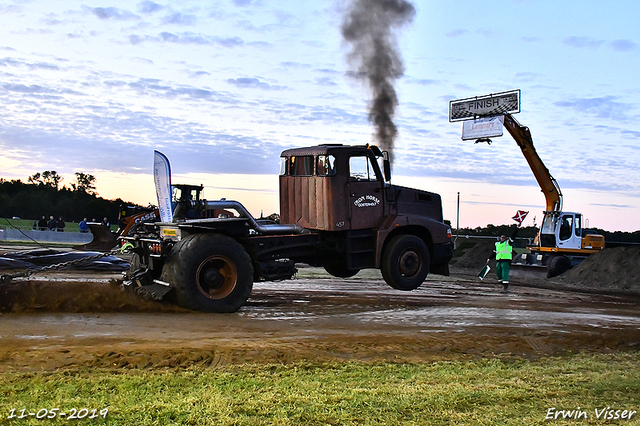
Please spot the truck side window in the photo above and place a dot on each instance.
(578, 228)
(360, 169)
(301, 165)
(326, 165)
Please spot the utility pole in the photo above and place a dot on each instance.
(457, 219)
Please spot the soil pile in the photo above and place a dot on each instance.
(472, 253)
(71, 292)
(614, 270)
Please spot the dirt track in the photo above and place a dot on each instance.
(80, 319)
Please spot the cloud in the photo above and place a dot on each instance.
(42, 66)
(620, 206)
(426, 81)
(623, 45)
(149, 7)
(10, 8)
(244, 3)
(6, 62)
(112, 13)
(149, 87)
(603, 107)
(527, 76)
(23, 88)
(620, 45)
(631, 133)
(457, 33)
(52, 19)
(35, 89)
(583, 42)
(260, 44)
(178, 18)
(12, 62)
(253, 83)
(325, 81)
(197, 74)
(188, 38)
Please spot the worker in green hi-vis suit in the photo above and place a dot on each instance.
(503, 253)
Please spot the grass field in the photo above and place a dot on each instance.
(482, 392)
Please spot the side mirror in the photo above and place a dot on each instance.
(386, 165)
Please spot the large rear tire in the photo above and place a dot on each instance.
(405, 262)
(210, 273)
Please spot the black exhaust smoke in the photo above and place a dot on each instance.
(369, 27)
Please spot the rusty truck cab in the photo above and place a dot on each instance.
(333, 187)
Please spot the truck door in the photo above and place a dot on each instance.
(568, 232)
(365, 193)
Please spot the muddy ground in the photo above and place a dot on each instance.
(70, 319)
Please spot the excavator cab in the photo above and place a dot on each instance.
(562, 230)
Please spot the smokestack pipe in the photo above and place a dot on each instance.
(267, 229)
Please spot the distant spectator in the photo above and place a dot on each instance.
(35, 225)
(83, 225)
(42, 224)
(60, 225)
(105, 222)
(53, 224)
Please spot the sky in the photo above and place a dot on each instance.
(222, 87)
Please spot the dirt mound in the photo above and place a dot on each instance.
(472, 253)
(610, 270)
(76, 296)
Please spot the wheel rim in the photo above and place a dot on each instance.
(216, 277)
(409, 263)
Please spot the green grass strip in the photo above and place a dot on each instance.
(481, 392)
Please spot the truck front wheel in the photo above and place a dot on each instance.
(405, 262)
(210, 273)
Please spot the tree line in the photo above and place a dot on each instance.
(532, 231)
(43, 195)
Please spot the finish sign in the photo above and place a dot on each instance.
(482, 106)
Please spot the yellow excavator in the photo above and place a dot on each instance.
(562, 241)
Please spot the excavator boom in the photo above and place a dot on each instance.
(561, 242)
(548, 184)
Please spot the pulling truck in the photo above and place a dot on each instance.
(338, 210)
